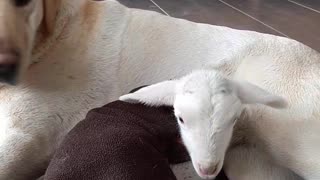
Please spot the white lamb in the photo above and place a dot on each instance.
(266, 142)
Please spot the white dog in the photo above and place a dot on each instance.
(65, 57)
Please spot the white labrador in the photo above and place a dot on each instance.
(65, 57)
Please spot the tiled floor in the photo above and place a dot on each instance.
(297, 19)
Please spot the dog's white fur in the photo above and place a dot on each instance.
(207, 106)
(89, 53)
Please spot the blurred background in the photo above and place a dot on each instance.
(297, 19)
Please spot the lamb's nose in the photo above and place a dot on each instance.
(9, 60)
(207, 170)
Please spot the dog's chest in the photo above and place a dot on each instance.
(57, 93)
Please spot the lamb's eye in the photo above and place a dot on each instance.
(21, 3)
(181, 120)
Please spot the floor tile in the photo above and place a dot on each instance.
(140, 4)
(297, 22)
(309, 4)
(212, 12)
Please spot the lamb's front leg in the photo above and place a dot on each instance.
(244, 163)
(25, 153)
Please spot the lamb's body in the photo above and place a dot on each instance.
(288, 138)
(272, 144)
(267, 143)
(100, 50)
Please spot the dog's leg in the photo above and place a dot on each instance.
(248, 164)
(24, 155)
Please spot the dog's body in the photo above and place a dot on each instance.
(99, 51)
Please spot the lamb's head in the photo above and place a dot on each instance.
(207, 106)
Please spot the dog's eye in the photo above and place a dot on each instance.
(21, 3)
(235, 120)
(181, 120)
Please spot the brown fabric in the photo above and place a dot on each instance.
(120, 141)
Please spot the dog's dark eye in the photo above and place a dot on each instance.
(21, 3)
(235, 120)
(181, 120)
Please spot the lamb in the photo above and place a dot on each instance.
(232, 123)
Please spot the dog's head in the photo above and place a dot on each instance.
(20, 20)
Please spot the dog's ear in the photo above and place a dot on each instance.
(50, 8)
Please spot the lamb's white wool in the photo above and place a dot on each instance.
(207, 106)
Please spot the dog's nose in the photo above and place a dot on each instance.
(208, 170)
(9, 61)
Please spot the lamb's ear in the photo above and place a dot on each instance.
(251, 94)
(162, 93)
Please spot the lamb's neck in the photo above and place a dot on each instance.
(243, 133)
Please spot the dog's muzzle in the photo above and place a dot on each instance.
(9, 62)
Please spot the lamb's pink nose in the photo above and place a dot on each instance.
(207, 170)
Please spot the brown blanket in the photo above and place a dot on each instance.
(120, 141)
